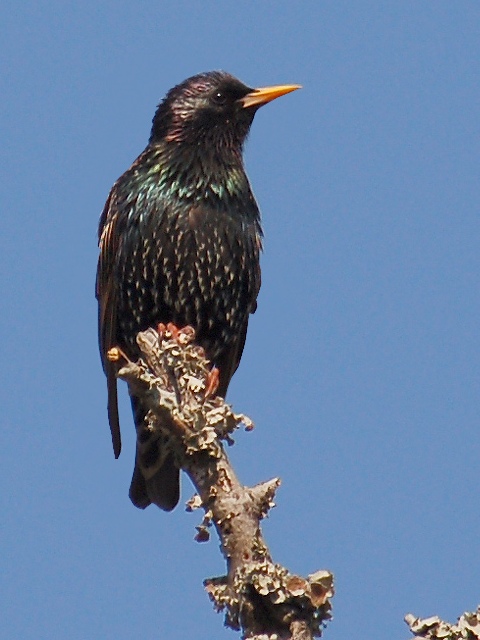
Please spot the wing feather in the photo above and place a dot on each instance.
(107, 314)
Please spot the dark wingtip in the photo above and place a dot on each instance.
(115, 431)
(117, 449)
(113, 418)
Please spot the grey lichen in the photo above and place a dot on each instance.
(259, 597)
(466, 628)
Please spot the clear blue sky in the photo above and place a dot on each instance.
(362, 363)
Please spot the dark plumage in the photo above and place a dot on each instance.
(180, 239)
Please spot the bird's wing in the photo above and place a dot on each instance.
(230, 362)
(107, 318)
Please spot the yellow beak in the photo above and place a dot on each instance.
(262, 95)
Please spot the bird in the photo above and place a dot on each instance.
(180, 238)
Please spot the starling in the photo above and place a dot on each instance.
(180, 239)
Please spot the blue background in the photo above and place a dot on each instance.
(362, 363)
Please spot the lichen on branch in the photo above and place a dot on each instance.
(467, 627)
(259, 597)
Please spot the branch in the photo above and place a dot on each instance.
(261, 598)
(467, 627)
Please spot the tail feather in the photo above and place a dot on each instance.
(156, 477)
(138, 489)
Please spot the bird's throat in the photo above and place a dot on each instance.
(197, 176)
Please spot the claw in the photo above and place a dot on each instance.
(213, 380)
(174, 330)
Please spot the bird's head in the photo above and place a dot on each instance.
(211, 110)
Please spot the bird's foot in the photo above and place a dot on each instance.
(174, 331)
(212, 382)
(170, 331)
(161, 329)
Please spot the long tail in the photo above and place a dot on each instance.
(156, 477)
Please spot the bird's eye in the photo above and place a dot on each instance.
(219, 98)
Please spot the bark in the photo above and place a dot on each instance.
(260, 598)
